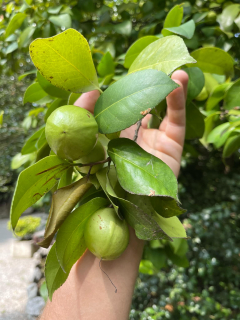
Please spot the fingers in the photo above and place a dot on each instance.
(174, 125)
(88, 100)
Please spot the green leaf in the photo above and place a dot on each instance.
(140, 172)
(194, 122)
(12, 47)
(106, 65)
(232, 144)
(233, 96)
(217, 95)
(41, 140)
(173, 19)
(219, 135)
(55, 277)
(144, 225)
(54, 105)
(156, 256)
(34, 93)
(63, 202)
(136, 48)
(127, 100)
(146, 267)
(65, 70)
(18, 160)
(22, 76)
(43, 291)
(185, 30)
(214, 60)
(66, 178)
(195, 83)
(34, 182)
(165, 54)
(1, 118)
(30, 144)
(50, 89)
(70, 243)
(62, 20)
(73, 98)
(15, 23)
(25, 36)
(180, 261)
(226, 19)
(124, 28)
(171, 227)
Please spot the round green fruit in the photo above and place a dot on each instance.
(97, 154)
(106, 236)
(71, 132)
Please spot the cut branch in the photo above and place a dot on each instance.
(137, 130)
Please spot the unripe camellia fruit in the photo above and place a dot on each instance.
(97, 154)
(106, 236)
(71, 132)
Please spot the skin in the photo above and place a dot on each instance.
(88, 294)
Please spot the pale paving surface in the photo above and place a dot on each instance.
(15, 274)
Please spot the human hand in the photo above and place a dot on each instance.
(166, 143)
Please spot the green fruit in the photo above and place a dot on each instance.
(211, 17)
(71, 132)
(106, 236)
(97, 154)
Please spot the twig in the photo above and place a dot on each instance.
(137, 130)
(107, 275)
(91, 164)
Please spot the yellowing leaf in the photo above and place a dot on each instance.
(65, 61)
(63, 201)
(165, 54)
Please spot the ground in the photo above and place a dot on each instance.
(15, 274)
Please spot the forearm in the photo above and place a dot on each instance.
(88, 293)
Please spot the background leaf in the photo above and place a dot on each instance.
(34, 93)
(185, 30)
(173, 19)
(15, 23)
(233, 96)
(195, 83)
(165, 54)
(68, 71)
(106, 65)
(128, 100)
(194, 122)
(30, 144)
(136, 48)
(214, 60)
(50, 89)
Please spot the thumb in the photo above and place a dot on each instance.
(88, 100)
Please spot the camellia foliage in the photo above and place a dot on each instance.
(135, 48)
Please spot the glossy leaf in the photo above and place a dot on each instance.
(55, 277)
(144, 225)
(195, 83)
(68, 71)
(185, 30)
(34, 182)
(34, 93)
(217, 95)
(233, 96)
(194, 122)
(70, 243)
(140, 172)
(15, 23)
(30, 144)
(63, 202)
(130, 99)
(173, 19)
(50, 89)
(136, 48)
(214, 60)
(106, 66)
(165, 54)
